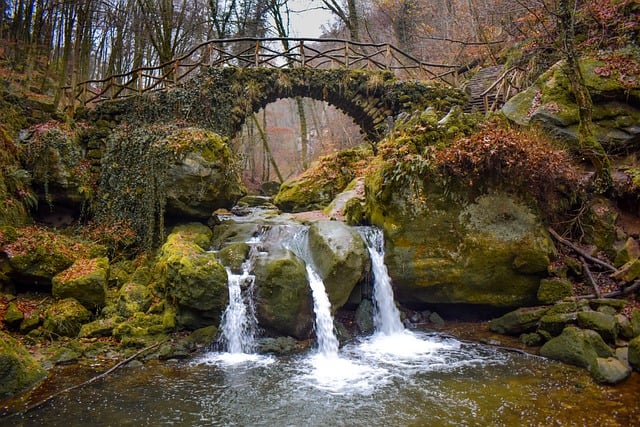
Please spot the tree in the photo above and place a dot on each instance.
(589, 144)
(348, 14)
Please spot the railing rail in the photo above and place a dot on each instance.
(509, 83)
(257, 52)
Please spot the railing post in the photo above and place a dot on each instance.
(175, 72)
(139, 82)
(113, 85)
(388, 56)
(346, 55)
(302, 58)
(257, 60)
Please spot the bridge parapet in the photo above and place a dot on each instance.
(220, 99)
(250, 52)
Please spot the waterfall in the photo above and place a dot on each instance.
(387, 316)
(327, 341)
(239, 323)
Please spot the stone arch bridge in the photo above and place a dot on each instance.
(370, 84)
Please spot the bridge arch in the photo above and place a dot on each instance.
(221, 98)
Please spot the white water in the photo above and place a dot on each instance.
(327, 341)
(239, 323)
(387, 316)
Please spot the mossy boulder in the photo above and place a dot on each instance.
(447, 246)
(12, 315)
(203, 177)
(192, 276)
(602, 323)
(98, 328)
(340, 257)
(577, 347)
(283, 298)
(234, 255)
(516, 322)
(18, 369)
(549, 103)
(35, 255)
(610, 370)
(634, 353)
(553, 290)
(65, 318)
(322, 182)
(132, 298)
(142, 329)
(552, 324)
(86, 281)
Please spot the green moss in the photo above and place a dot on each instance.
(85, 280)
(18, 369)
(65, 318)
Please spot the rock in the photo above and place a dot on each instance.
(549, 104)
(602, 323)
(203, 336)
(609, 370)
(283, 298)
(340, 257)
(30, 323)
(492, 250)
(629, 271)
(321, 183)
(18, 369)
(13, 316)
(554, 324)
(280, 346)
(531, 339)
(635, 322)
(141, 329)
(191, 276)
(364, 317)
(518, 321)
(623, 326)
(65, 318)
(233, 256)
(576, 347)
(436, 319)
(85, 280)
(98, 328)
(629, 251)
(634, 353)
(203, 178)
(133, 298)
(553, 290)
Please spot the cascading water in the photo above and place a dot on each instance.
(327, 341)
(239, 323)
(387, 316)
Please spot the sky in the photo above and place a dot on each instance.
(308, 23)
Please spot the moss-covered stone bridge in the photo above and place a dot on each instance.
(221, 98)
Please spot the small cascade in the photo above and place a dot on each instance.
(387, 317)
(327, 341)
(239, 323)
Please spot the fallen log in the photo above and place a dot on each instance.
(581, 251)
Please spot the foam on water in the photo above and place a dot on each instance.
(233, 359)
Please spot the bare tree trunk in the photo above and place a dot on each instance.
(304, 140)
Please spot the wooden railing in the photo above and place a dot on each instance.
(257, 52)
(509, 83)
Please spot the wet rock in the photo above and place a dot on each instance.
(604, 324)
(18, 369)
(340, 256)
(635, 322)
(531, 339)
(280, 346)
(576, 347)
(85, 280)
(65, 318)
(233, 256)
(364, 317)
(610, 370)
(436, 319)
(629, 251)
(283, 298)
(518, 321)
(623, 326)
(555, 289)
(204, 336)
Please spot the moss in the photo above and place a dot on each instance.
(65, 318)
(18, 369)
(319, 184)
(85, 280)
(553, 290)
